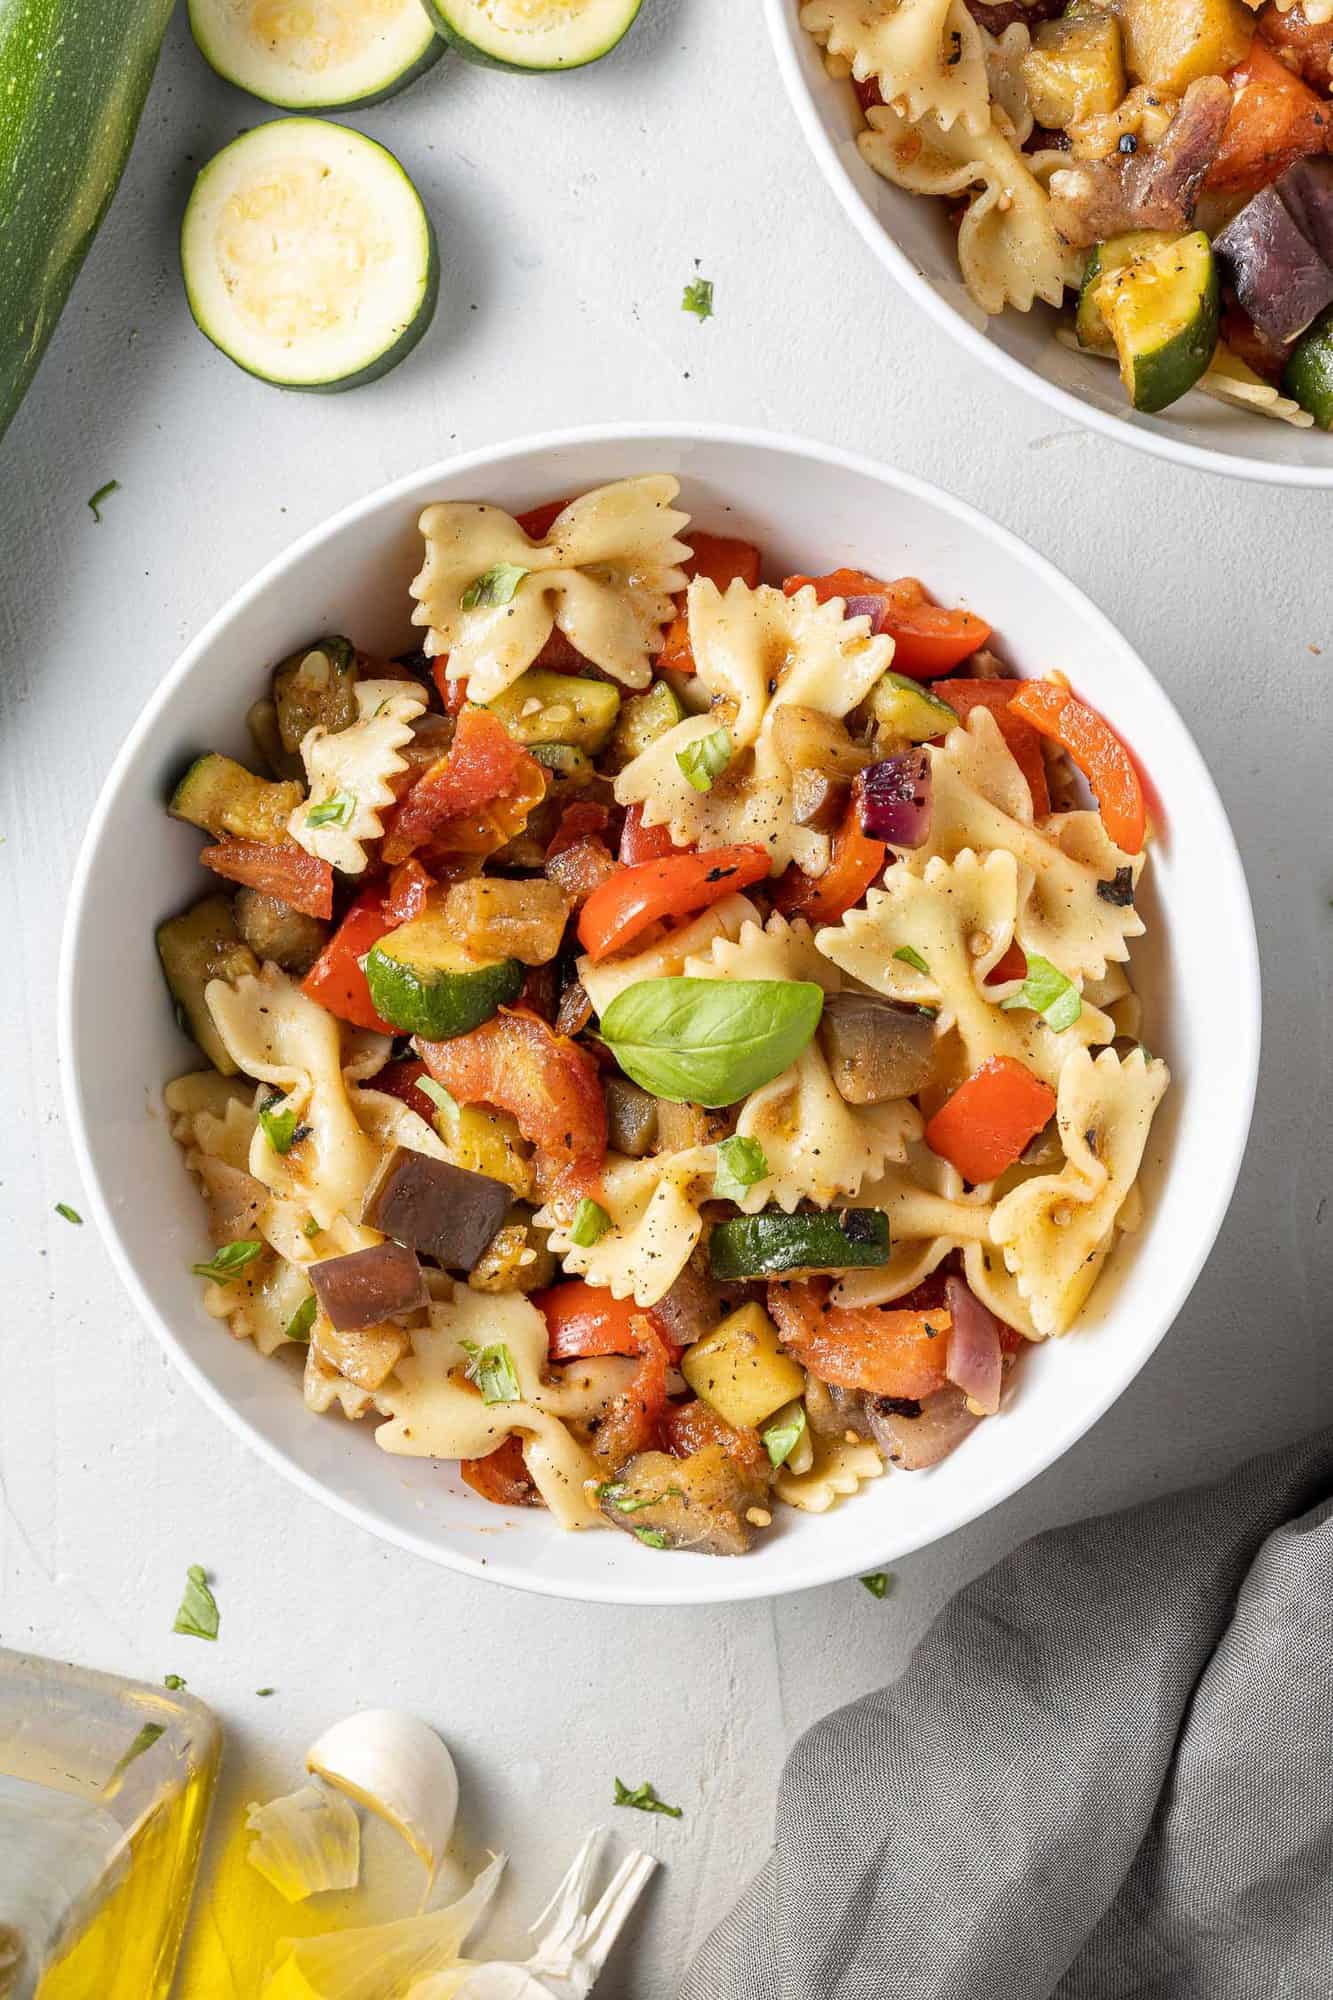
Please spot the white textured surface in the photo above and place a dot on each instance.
(571, 212)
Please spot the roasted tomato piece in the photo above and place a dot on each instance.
(549, 1085)
(882, 1350)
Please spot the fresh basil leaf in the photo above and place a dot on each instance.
(912, 958)
(299, 1325)
(631, 1503)
(652, 1537)
(877, 1583)
(591, 1222)
(1048, 993)
(229, 1261)
(705, 759)
(740, 1163)
(336, 810)
(103, 493)
(70, 1214)
(173, 1681)
(698, 298)
(198, 1617)
(781, 1440)
(279, 1127)
(439, 1096)
(710, 1041)
(264, 1693)
(495, 585)
(492, 1369)
(644, 1799)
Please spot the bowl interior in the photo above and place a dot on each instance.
(808, 508)
(912, 235)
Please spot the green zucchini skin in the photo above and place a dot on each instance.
(73, 78)
(429, 56)
(461, 44)
(774, 1244)
(1308, 376)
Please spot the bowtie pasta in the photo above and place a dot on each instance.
(669, 1046)
(1132, 163)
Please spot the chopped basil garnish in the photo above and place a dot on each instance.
(173, 1681)
(705, 759)
(698, 298)
(877, 1583)
(781, 1439)
(1048, 993)
(70, 1214)
(198, 1614)
(740, 1163)
(229, 1261)
(710, 1041)
(644, 1797)
(279, 1127)
(495, 585)
(912, 958)
(438, 1095)
(299, 1325)
(591, 1222)
(492, 1369)
(653, 1537)
(103, 493)
(630, 1503)
(336, 810)
(264, 1693)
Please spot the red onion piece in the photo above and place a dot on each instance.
(865, 607)
(975, 1361)
(914, 1443)
(895, 799)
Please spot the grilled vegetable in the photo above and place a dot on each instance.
(305, 59)
(424, 981)
(1104, 259)
(982, 1129)
(222, 797)
(515, 1062)
(739, 1370)
(494, 918)
(337, 978)
(200, 945)
(436, 1208)
(368, 1286)
(1074, 69)
(539, 35)
(366, 1355)
(894, 800)
(1170, 43)
(819, 799)
(876, 1051)
(884, 1350)
(703, 1502)
(1274, 120)
(287, 874)
(1308, 375)
(315, 686)
(518, 1257)
(631, 1118)
(692, 1306)
(1307, 189)
(488, 1142)
(308, 258)
(261, 719)
(757, 1246)
(541, 707)
(273, 930)
(642, 719)
(1163, 310)
(905, 708)
(1278, 275)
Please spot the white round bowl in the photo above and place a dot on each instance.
(809, 508)
(914, 240)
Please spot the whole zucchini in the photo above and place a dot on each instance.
(73, 78)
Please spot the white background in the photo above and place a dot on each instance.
(571, 212)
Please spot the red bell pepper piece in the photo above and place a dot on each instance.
(675, 886)
(502, 1477)
(883, 1350)
(300, 880)
(982, 1129)
(645, 843)
(997, 695)
(583, 1320)
(1275, 120)
(631, 1422)
(928, 638)
(336, 979)
(854, 864)
(576, 823)
(1093, 746)
(548, 1084)
(723, 560)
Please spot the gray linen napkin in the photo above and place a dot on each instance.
(1106, 1774)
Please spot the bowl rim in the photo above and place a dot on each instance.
(784, 29)
(813, 1570)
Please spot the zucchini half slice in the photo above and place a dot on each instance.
(424, 982)
(340, 53)
(533, 34)
(1163, 310)
(308, 257)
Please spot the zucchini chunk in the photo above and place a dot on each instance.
(222, 797)
(533, 34)
(542, 707)
(1104, 259)
(905, 708)
(643, 718)
(1074, 69)
(341, 53)
(1163, 311)
(308, 257)
(772, 1243)
(199, 945)
(424, 982)
(1308, 375)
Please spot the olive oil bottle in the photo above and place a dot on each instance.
(104, 1793)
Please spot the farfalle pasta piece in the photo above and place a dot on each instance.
(602, 980)
(605, 573)
(958, 918)
(930, 1215)
(839, 1467)
(756, 652)
(817, 1145)
(927, 55)
(653, 1206)
(1008, 82)
(433, 1411)
(980, 800)
(1009, 250)
(350, 771)
(1056, 1230)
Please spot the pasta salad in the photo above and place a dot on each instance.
(1158, 168)
(669, 1040)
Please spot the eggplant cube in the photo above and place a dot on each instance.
(367, 1287)
(444, 1211)
(1279, 276)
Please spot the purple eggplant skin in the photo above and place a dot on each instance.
(367, 1287)
(1277, 274)
(1306, 189)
